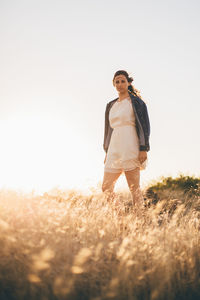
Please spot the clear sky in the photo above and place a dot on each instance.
(57, 62)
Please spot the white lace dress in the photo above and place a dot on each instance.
(123, 150)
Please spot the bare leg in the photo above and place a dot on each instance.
(108, 184)
(133, 180)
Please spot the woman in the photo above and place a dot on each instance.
(126, 138)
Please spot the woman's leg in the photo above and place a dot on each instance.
(108, 184)
(133, 180)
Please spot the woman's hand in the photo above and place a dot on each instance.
(142, 156)
(105, 158)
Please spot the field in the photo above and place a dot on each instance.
(66, 245)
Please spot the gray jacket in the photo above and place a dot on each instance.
(141, 121)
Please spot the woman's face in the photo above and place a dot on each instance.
(121, 84)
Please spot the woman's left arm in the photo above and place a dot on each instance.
(142, 156)
(146, 117)
(146, 127)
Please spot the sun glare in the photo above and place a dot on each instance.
(41, 152)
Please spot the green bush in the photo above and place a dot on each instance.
(182, 187)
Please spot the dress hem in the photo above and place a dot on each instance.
(108, 170)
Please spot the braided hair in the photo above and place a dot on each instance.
(131, 87)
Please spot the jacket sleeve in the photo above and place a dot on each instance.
(105, 128)
(146, 117)
(147, 126)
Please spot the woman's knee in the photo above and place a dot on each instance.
(133, 179)
(109, 181)
(107, 185)
(104, 187)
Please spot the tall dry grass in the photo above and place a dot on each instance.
(65, 245)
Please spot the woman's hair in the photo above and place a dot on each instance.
(131, 87)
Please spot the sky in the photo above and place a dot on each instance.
(57, 62)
